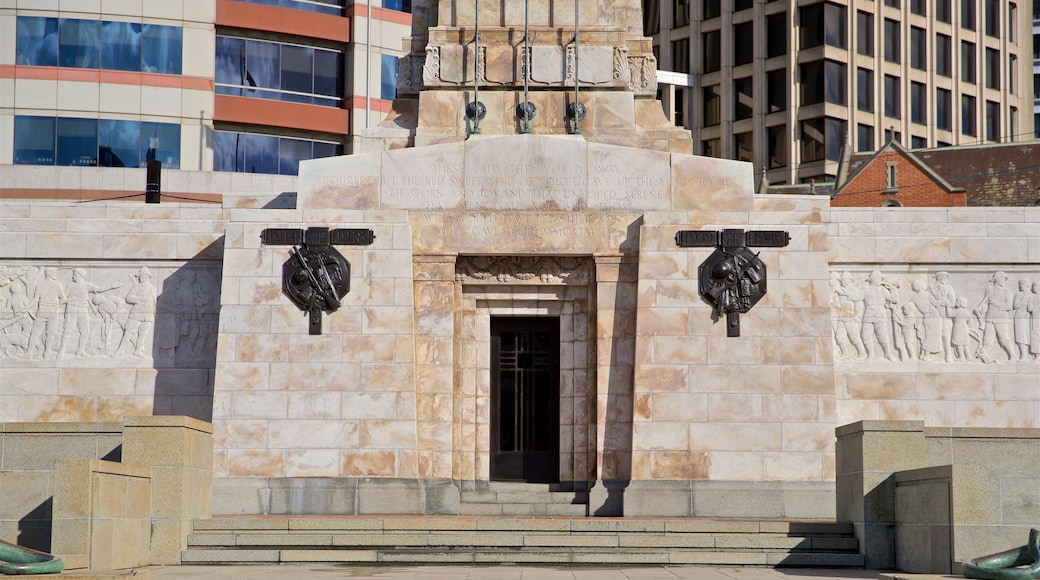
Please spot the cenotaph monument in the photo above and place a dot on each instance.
(520, 309)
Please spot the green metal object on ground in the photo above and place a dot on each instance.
(1006, 565)
(15, 559)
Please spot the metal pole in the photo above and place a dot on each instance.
(577, 103)
(525, 123)
(476, 66)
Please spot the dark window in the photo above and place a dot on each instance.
(834, 27)
(813, 140)
(388, 77)
(942, 10)
(918, 142)
(891, 39)
(968, 115)
(992, 121)
(651, 17)
(743, 43)
(943, 56)
(812, 82)
(992, 22)
(892, 103)
(777, 82)
(1036, 125)
(918, 7)
(992, 68)
(744, 147)
(77, 141)
(1036, 85)
(712, 148)
(811, 22)
(333, 7)
(834, 82)
(835, 137)
(777, 146)
(864, 138)
(712, 106)
(943, 112)
(36, 41)
(681, 55)
(865, 89)
(680, 13)
(79, 43)
(865, 33)
(286, 72)
(119, 143)
(967, 61)
(776, 35)
(1013, 74)
(918, 102)
(892, 3)
(743, 98)
(712, 51)
(1013, 22)
(34, 140)
(968, 8)
(739, 5)
(918, 48)
(161, 141)
(893, 135)
(712, 8)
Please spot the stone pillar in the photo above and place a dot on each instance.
(616, 278)
(180, 452)
(868, 455)
(435, 322)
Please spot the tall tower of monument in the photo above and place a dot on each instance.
(527, 66)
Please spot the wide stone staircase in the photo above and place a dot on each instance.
(521, 539)
(499, 498)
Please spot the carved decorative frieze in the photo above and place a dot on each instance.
(432, 67)
(978, 317)
(521, 270)
(643, 74)
(622, 71)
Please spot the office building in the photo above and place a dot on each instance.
(224, 85)
(786, 84)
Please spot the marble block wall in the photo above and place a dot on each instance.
(957, 341)
(758, 407)
(342, 403)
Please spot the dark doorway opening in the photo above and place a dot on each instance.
(525, 399)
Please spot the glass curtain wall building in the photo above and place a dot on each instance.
(786, 84)
(221, 85)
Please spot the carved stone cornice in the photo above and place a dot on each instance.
(523, 270)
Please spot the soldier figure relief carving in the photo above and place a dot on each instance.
(983, 318)
(107, 312)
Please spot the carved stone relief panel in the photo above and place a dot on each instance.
(520, 270)
(99, 313)
(964, 316)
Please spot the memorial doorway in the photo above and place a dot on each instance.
(525, 399)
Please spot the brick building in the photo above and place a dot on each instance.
(894, 177)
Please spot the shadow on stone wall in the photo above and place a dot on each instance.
(184, 347)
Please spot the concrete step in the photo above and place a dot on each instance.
(476, 539)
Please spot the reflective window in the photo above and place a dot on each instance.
(968, 8)
(34, 140)
(918, 102)
(743, 98)
(811, 25)
(108, 45)
(892, 104)
(992, 68)
(865, 89)
(993, 121)
(943, 55)
(334, 7)
(37, 41)
(388, 77)
(93, 142)
(892, 48)
(943, 112)
(399, 5)
(812, 82)
(681, 55)
(968, 61)
(968, 115)
(161, 49)
(834, 31)
(79, 43)
(252, 153)
(918, 48)
(812, 140)
(277, 71)
(835, 137)
(680, 13)
(942, 10)
(834, 82)
(712, 51)
(865, 33)
(864, 138)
